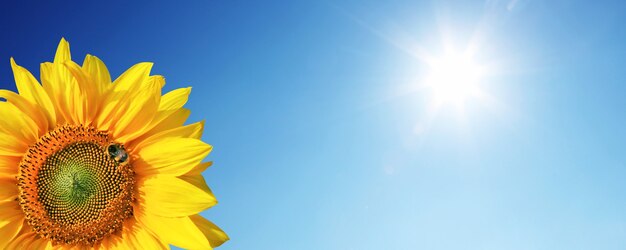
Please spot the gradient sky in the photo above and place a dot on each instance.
(319, 145)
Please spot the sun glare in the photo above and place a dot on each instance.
(453, 79)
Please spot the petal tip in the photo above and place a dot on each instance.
(63, 51)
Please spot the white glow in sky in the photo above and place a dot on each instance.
(453, 79)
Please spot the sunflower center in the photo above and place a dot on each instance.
(74, 187)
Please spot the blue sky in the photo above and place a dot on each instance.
(318, 144)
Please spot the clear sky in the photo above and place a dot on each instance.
(328, 133)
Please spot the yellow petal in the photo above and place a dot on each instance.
(8, 231)
(39, 243)
(55, 88)
(164, 120)
(61, 86)
(198, 181)
(33, 110)
(63, 90)
(119, 97)
(134, 76)
(171, 156)
(8, 188)
(190, 131)
(111, 108)
(9, 165)
(158, 79)
(31, 90)
(175, 99)
(11, 146)
(76, 96)
(10, 211)
(142, 239)
(169, 196)
(11, 221)
(138, 237)
(63, 52)
(23, 241)
(97, 70)
(169, 119)
(19, 125)
(180, 232)
(142, 109)
(212, 232)
(100, 81)
(198, 169)
(88, 104)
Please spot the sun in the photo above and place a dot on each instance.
(453, 79)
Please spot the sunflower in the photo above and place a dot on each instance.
(86, 162)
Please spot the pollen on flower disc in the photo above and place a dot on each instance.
(71, 190)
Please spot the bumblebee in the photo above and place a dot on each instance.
(117, 153)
